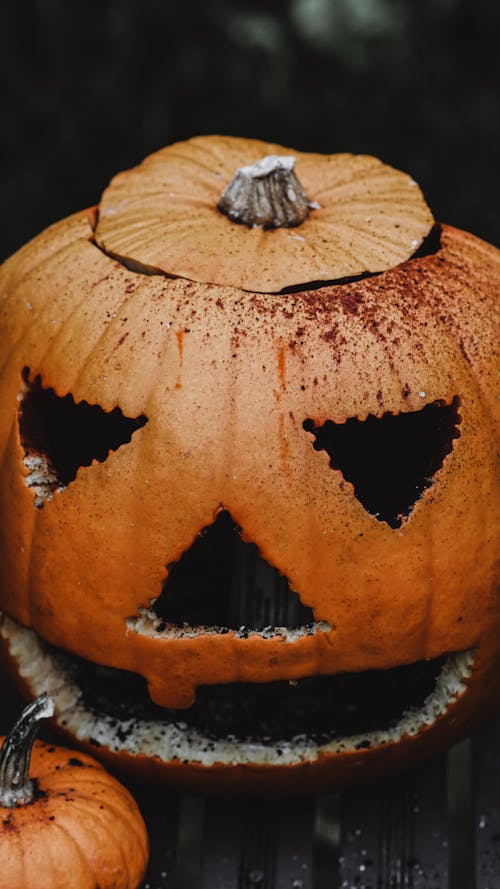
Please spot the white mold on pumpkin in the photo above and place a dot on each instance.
(42, 477)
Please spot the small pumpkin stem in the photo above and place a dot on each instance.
(267, 194)
(16, 788)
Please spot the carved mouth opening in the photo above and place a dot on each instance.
(222, 582)
(324, 708)
(280, 722)
(390, 460)
(59, 435)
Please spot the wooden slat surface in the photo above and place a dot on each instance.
(160, 812)
(258, 845)
(394, 836)
(487, 805)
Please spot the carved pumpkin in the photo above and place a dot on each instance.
(249, 468)
(71, 824)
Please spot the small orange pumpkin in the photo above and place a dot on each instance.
(248, 434)
(71, 824)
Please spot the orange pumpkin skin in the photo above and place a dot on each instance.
(82, 829)
(226, 379)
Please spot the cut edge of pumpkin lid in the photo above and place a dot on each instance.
(332, 216)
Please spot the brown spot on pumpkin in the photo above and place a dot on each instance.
(464, 350)
(350, 302)
(282, 366)
(101, 280)
(179, 335)
(121, 340)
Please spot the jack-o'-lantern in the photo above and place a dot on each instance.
(248, 521)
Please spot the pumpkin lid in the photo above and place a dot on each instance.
(305, 217)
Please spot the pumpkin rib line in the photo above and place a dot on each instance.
(34, 320)
(92, 802)
(33, 269)
(87, 359)
(93, 814)
(15, 344)
(132, 265)
(124, 816)
(57, 825)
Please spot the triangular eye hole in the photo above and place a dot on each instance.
(390, 460)
(220, 581)
(59, 435)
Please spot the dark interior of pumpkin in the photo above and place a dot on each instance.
(317, 708)
(223, 582)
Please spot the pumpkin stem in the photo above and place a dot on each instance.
(267, 194)
(16, 788)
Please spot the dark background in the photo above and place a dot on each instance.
(90, 88)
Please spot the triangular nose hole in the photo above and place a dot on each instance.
(390, 460)
(222, 582)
